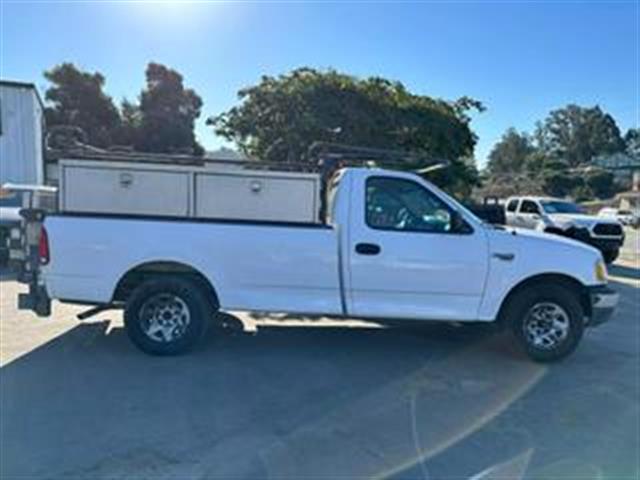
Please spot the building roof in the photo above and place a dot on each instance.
(27, 85)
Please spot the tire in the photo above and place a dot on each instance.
(167, 316)
(529, 313)
(610, 256)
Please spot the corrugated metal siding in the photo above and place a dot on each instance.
(21, 136)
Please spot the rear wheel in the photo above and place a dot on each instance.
(167, 316)
(547, 321)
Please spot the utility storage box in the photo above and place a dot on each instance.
(188, 191)
(257, 196)
(125, 190)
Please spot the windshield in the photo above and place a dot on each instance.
(554, 206)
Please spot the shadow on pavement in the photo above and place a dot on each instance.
(295, 402)
(87, 404)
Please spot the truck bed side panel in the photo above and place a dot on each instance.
(251, 266)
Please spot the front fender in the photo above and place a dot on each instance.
(534, 254)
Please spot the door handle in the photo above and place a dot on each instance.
(367, 249)
(506, 257)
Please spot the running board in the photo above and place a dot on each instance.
(96, 310)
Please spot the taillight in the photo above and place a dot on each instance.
(43, 247)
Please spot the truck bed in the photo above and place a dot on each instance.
(253, 265)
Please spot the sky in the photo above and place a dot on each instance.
(521, 58)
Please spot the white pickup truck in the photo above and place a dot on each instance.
(392, 246)
(561, 217)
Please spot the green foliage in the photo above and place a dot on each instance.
(600, 183)
(167, 113)
(577, 134)
(162, 122)
(280, 117)
(558, 183)
(632, 142)
(510, 154)
(127, 132)
(460, 178)
(77, 99)
(556, 160)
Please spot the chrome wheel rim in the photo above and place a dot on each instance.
(164, 317)
(546, 325)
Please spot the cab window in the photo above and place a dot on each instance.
(529, 206)
(403, 205)
(512, 205)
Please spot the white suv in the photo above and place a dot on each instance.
(565, 218)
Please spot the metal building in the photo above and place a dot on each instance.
(21, 133)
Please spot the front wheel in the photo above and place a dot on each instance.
(547, 321)
(167, 316)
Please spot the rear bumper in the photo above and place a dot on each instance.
(604, 301)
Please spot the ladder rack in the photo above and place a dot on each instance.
(321, 156)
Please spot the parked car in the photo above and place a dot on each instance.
(390, 246)
(625, 217)
(561, 217)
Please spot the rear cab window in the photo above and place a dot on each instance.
(512, 206)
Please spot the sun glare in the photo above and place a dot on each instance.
(172, 11)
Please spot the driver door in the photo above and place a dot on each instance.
(407, 257)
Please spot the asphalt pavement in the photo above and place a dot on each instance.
(307, 398)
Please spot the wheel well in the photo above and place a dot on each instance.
(546, 279)
(136, 276)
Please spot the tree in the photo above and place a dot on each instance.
(577, 134)
(632, 141)
(127, 132)
(600, 183)
(557, 183)
(510, 154)
(77, 99)
(165, 118)
(280, 117)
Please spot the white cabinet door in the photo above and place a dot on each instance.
(406, 261)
